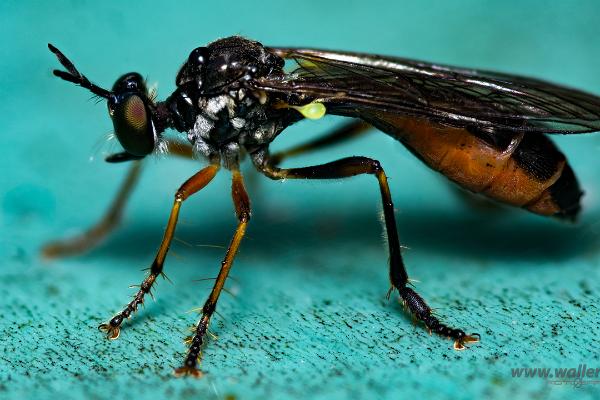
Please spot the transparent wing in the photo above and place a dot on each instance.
(351, 82)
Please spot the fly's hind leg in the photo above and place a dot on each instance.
(352, 166)
(242, 210)
(345, 132)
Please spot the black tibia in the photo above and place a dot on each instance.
(352, 166)
(343, 133)
(242, 209)
(191, 186)
(102, 228)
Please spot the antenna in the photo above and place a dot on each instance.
(74, 76)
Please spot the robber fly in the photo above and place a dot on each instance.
(485, 131)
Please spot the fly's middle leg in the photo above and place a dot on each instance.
(191, 186)
(352, 166)
(242, 210)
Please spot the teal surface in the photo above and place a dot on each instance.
(309, 318)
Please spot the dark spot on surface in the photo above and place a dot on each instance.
(52, 290)
(26, 203)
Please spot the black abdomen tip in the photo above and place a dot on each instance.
(566, 193)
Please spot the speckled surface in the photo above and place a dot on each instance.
(309, 317)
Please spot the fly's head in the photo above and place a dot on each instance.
(213, 103)
(137, 121)
(129, 108)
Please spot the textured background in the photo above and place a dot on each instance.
(309, 318)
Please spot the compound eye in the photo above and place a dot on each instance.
(132, 125)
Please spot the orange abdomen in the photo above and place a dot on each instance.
(523, 169)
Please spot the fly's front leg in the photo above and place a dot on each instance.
(102, 228)
(110, 220)
(352, 166)
(242, 210)
(191, 186)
